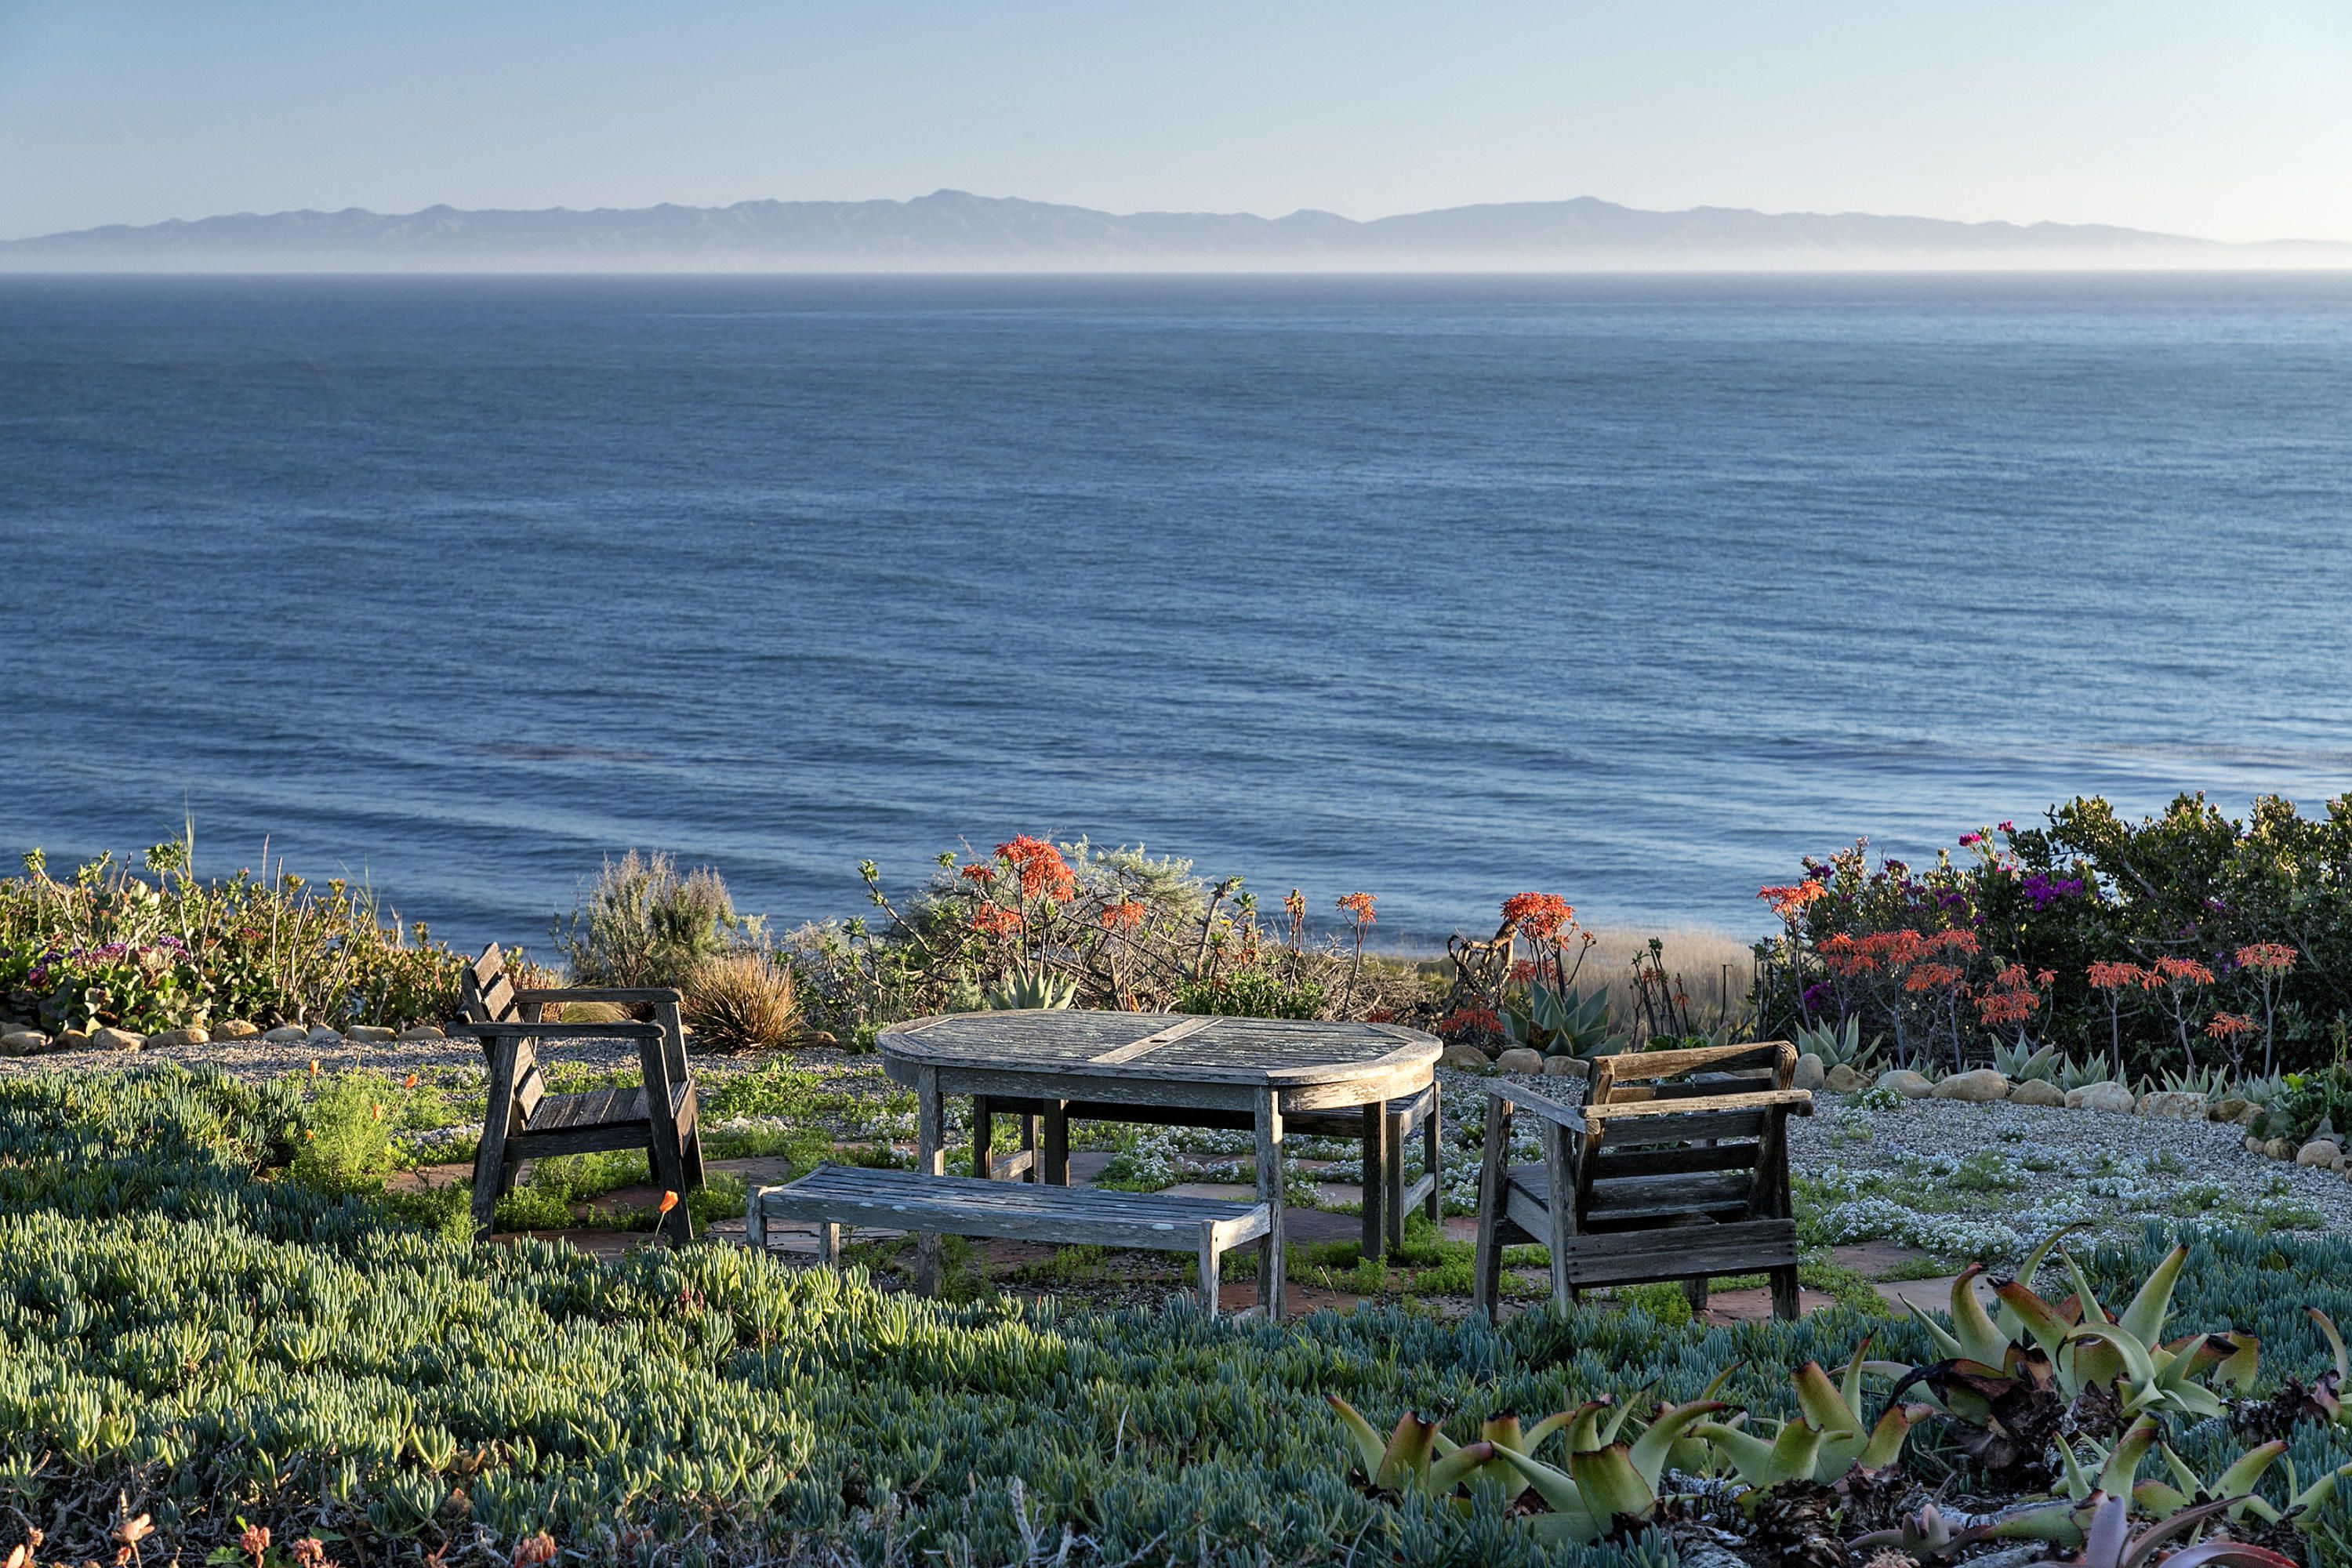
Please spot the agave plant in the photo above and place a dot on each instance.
(2024, 1062)
(2010, 1383)
(1038, 987)
(1559, 1023)
(2209, 1083)
(1839, 1044)
(2073, 1075)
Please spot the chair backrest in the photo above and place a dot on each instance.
(1630, 1077)
(486, 992)
(1722, 1158)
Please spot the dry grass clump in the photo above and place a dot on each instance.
(1716, 969)
(744, 1002)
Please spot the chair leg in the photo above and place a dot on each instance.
(492, 1173)
(1486, 1273)
(1057, 1144)
(1029, 1147)
(1210, 1270)
(828, 1244)
(1785, 1301)
(1694, 1292)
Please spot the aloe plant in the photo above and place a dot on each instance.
(2023, 1062)
(2099, 1529)
(1408, 1459)
(1559, 1023)
(1609, 1486)
(1829, 1440)
(1839, 1044)
(2009, 1383)
(1037, 987)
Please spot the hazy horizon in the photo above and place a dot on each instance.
(2171, 118)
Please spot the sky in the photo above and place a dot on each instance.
(2226, 121)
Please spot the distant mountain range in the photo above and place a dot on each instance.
(954, 231)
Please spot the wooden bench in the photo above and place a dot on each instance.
(1675, 1166)
(837, 1197)
(524, 1122)
(1383, 1127)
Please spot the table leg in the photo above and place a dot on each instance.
(983, 1132)
(1270, 1292)
(1376, 1173)
(931, 1156)
(1394, 1180)
(1029, 1147)
(1058, 1143)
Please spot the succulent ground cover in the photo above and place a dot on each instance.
(201, 1328)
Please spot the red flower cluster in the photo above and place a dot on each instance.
(1788, 901)
(2274, 955)
(1043, 873)
(2225, 1025)
(1469, 1021)
(1358, 906)
(2013, 997)
(995, 920)
(2182, 972)
(1542, 915)
(1847, 955)
(2109, 976)
(1125, 915)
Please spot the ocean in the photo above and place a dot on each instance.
(1440, 588)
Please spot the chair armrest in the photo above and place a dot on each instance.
(602, 994)
(1797, 1100)
(629, 1031)
(1536, 1103)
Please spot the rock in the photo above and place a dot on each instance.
(2232, 1109)
(2107, 1095)
(235, 1030)
(1978, 1088)
(367, 1035)
(821, 1040)
(1844, 1080)
(2171, 1105)
(72, 1040)
(1811, 1074)
(2280, 1149)
(2319, 1152)
(23, 1043)
(2037, 1091)
(111, 1039)
(1464, 1055)
(2254, 1145)
(423, 1032)
(322, 1036)
(286, 1034)
(1520, 1059)
(169, 1038)
(1907, 1083)
(1563, 1067)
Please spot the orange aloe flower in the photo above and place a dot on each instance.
(1359, 907)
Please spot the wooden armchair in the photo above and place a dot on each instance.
(525, 1121)
(1675, 1166)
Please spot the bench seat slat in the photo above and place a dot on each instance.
(904, 1200)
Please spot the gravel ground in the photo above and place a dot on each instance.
(1974, 1171)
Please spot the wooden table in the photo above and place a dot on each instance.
(1177, 1069)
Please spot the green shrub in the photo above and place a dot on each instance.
(166, 950)
(346, 1137)
(1250, 994)
(642, 923)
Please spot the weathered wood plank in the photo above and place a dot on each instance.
(1799, 1101)
(902, 1201)
(1683, 1160)
(1683, 1252)
(1183, 1030)
(1271, 1288)
(1633, 1065)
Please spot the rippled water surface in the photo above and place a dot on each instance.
(1441, 588)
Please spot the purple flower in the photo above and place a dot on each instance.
(2042, 889)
